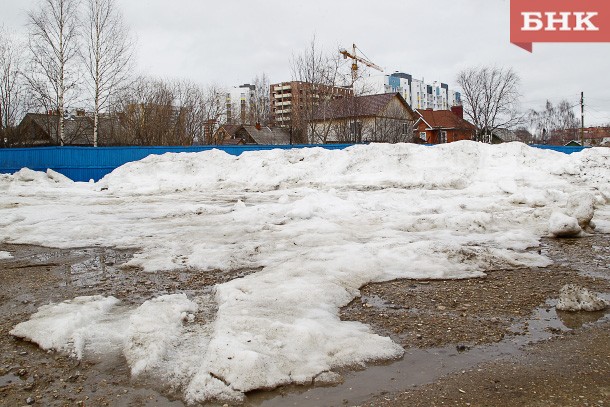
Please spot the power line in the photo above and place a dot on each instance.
(554, 101)
(599, 100)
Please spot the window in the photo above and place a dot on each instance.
(406, 129)
(422, 135)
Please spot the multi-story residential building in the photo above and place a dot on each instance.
(417, 93)
(239, 103)
(292, 102)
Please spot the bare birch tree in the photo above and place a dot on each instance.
(491, 97)
(13, 96)
(53, 43)
(107, 56)
(555, 124)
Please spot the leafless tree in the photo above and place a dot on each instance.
(322, 76)
(555, 124)
(200, 110)
(147, 113)
(261, 104)
(53, 43)
(491, 97)
(214, 105)
(157, 112)
(13, 95)
(107, 55)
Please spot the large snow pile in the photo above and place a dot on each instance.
(318, 223)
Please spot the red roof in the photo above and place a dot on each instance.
(444, 119)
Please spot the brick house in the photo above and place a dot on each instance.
(442, 126)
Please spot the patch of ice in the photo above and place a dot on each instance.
(575, 298)
(5, 255)
(328, 379)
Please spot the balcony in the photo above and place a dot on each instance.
(281, 88)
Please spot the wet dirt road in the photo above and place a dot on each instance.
(491, 341)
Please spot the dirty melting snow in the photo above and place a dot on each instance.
(319, 224)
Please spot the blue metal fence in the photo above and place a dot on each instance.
(85, 163)
(561, 149)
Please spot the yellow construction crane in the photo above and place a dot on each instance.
(346, 54)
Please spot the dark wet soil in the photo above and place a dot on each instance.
(532, 355)
(470, 312)
(497, 339)
(567, 370)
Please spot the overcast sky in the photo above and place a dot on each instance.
(229, 42)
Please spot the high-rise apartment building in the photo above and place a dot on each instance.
(239, 101)
(417, 93)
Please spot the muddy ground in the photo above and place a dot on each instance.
(493, 341)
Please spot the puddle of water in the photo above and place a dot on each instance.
(98, 265)
(575, 320)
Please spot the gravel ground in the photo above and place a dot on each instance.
(561, 358)
(570, 370)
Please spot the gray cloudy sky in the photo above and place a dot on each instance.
(229, 42)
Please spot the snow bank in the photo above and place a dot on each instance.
(67, 326)
(319, 224)
(575, 298)
(44, 178)
(99, 324)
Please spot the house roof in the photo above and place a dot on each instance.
(268, 135)
(506, 135)
(444, 119)
(231, 128)
(78, 130)
(264, 135)
(359, 106)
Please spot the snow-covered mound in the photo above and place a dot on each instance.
(561, 225)
(575, 298)
(319, 224)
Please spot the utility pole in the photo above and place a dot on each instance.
(582, 119)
